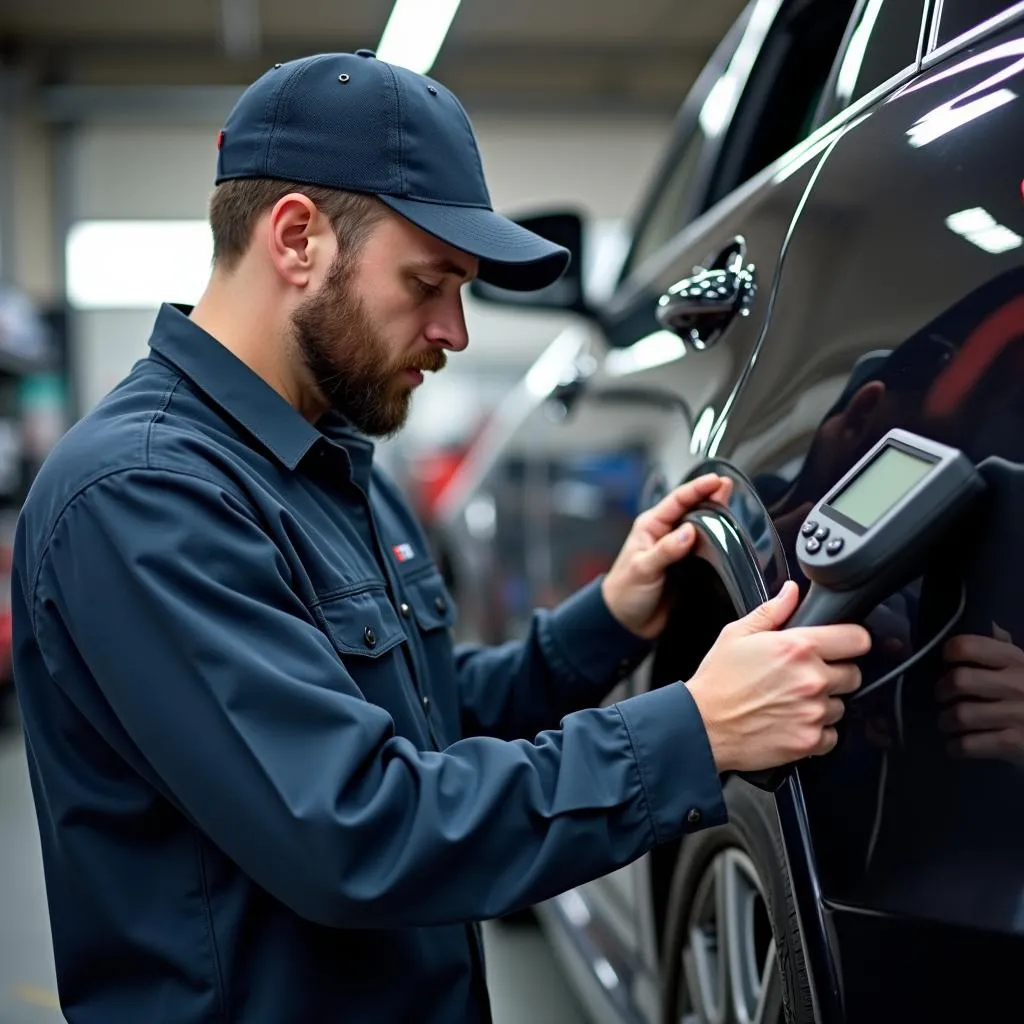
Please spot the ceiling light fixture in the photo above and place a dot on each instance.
(415, 31)
(978, 226)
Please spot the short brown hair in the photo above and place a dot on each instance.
(236, 205)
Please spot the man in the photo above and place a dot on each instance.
(268, 788)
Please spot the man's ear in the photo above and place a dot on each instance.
(857, 414)
(294, 230)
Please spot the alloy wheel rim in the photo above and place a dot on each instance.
(730, 968)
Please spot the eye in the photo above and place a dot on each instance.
(428, 290)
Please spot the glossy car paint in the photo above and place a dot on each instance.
(888, 256)
(912, 320)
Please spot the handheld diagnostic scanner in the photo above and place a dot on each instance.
(869, 535)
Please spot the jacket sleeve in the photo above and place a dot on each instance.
(570, 658)
(169, 591)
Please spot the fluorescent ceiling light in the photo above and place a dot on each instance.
(849, 70)
(655, 350)
(137, 264)
(415, 31)
(951, 116)
(980, 228)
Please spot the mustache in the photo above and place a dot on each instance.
(434, 361)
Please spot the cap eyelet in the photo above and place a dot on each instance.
(277, 66)
(431, 90)
(344, 79)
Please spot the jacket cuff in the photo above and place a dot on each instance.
(582, 637)
(677, 769)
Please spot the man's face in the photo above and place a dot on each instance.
(382, 319)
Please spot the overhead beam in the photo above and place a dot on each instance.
(211, 104)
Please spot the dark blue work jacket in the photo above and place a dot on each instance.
(269, 788)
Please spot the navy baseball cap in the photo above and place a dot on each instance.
(350, 121)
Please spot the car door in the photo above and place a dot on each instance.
(625, 426)
(901, 303)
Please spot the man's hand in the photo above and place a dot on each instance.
(769, 698)
(984, 697)
(634, 588)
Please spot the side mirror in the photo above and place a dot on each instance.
(565, 228)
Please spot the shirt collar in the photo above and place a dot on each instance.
(250, 400)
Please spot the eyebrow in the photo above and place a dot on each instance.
(442, 266)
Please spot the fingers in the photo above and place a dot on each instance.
(980, 650)
(843, 678)
(977, 683)
(663, 516)
(771, 615)
(1002, 743)
(974, 716)
(671, 548)
(834, 711)
(840, 642)
(827, 743)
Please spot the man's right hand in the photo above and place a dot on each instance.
(769, 696)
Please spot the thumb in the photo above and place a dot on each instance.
(998, 633)
(671, 548)
(773, 613)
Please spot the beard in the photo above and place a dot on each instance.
(349, 359)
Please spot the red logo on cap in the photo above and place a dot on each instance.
(220, 139)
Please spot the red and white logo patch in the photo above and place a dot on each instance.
(403, 552)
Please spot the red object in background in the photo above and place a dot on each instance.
(432, 474)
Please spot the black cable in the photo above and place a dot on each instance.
(918, 655)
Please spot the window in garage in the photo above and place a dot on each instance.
(959, 16)
(883, 39)
(672, 205)
(778, 106)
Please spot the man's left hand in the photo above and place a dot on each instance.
(634, 588)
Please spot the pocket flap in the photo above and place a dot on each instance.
(364, 623)
(431, 603)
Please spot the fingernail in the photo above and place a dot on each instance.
(686, 534)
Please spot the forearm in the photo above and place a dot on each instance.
(570, 659)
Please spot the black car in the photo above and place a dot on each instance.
(833, 247)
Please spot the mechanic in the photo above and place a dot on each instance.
(269, 788)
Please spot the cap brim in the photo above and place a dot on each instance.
(511, 256)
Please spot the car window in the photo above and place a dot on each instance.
(959, 16)
(882, 40)
(777, 108)
(672, 206)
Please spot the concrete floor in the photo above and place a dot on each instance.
(524, 980)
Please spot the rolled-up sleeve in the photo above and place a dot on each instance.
(570, 658)
(170, 592)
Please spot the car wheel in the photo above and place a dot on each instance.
(732, 952)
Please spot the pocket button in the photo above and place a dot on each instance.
(370, 637)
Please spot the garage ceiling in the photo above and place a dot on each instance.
(641, 53)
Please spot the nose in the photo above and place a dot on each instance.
(448, 328)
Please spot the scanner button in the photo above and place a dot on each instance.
(813, 546)
(835, 546)
(821, 533)
(809, 527)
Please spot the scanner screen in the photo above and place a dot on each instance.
(880, 486)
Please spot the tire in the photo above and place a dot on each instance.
(736, 873)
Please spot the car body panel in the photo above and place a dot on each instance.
(888, 250)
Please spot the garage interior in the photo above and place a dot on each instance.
(108, 116)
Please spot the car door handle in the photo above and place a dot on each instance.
(701, 307)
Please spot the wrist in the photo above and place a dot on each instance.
(609, 595)
(720, 747)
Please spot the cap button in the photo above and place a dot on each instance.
(365, 53)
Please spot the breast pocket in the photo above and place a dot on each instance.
(431, 604)
(366, 631)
